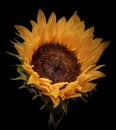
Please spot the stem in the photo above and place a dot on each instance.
(56, 115)
(52, 125)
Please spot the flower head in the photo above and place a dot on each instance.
(59, 58)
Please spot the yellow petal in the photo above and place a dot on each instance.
(47, 85)
(89, 32)
(33, 80)
(90, 75)
(29, 69)
(44, 87)
(88, 87)
(90, 54)
(50, 31)
(55, 101)
(19, 48)
(45, 80)
(75, 95)
(60, 29)
(33, 23)
(73, 20)
(25, 51)
(24, 32)
(59, 85)
(41, 19)
(34, 28)
(69, 92)
(41, 26)
(54, 92)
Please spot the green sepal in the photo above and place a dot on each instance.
(85, 94)
(65, 105)
(84, 99)
(46, 100)
(16, 55)
(23, 74)
(31, 89)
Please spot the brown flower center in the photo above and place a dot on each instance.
(56, 62)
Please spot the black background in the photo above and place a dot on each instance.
(18, 110)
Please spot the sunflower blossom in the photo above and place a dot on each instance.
(59, 57)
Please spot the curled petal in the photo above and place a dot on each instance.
(55, 101)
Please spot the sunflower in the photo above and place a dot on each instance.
(59, 57)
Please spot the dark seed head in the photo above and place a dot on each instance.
(56, 62)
